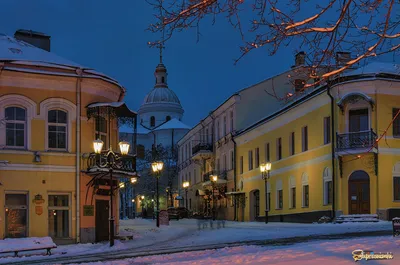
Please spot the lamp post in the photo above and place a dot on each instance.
(157, 168)
(186, 186)
(214, 179)
(142, 203)
(167, 190)
(110, 162)
(265, 170)
(133, 209)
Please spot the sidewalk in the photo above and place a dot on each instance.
(183, 235)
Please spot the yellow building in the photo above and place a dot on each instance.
(45, 136)
(310, 177)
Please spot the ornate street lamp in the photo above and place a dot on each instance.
(112, 161)
(186, 186)
(214, 179)
(265, 169)
(157, 168)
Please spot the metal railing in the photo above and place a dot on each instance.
(202, 147)
(355, 140)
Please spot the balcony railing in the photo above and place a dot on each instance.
(202, 147)
(355, 140)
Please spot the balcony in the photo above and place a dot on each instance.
(222, 178)
(355, 142)
(202, 151)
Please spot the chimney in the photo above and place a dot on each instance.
(342, 58)
(34, 38)
(300, 59)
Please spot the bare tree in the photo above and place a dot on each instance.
(366, 28)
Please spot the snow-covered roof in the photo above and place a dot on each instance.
(12, 49)
(173, 124)
(376, 68)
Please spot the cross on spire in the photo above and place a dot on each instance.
(161, 43)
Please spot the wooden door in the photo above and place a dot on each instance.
(102, 220)
(359, 197)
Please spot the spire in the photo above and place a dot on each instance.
(161, 70)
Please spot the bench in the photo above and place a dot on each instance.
(17, 245)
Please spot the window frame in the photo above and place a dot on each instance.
(152, 121)
(68, 208)
(396, 123)
(292, 148)
(279, 148)
(257, 157)
(241, 164)
(267, 152)
(100, 134)
(250, 160)
(327, 130)
(306, 196)
(15, 121)
(304, 139)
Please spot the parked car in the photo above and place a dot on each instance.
(178, 213)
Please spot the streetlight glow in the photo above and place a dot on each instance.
(214, 178)
(98, 146)
(265, 167)
(124, 147)
(121, 185)
(185, 184)
(157, 166)
(133, 180)
(142, 197)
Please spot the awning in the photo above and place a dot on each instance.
(116, 173)
(234, 193)
(118, 109)
(200, 193)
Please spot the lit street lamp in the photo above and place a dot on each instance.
(265, 170)
(186, 186)
(214, 179)
(157, 168)
(111, 161)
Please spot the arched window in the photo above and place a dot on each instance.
(15, 118)
(101, 131)
(305, 201)
(152, 121)
(162, 79)
(328, 188)
(168, 118)
(279, 194)
(292, 192)
(57, 129)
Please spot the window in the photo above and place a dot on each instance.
(292, 192)
(224, 128)
(279, 194)
(231, 129)
(327, 130)
(101, 131)
(194, 176)
(293, 195)
(306, 196)
(57, 129)
(168, 118)
(267, 157)
(232, 160)
(328, 188)
(396, 188)
(59, 216)
(217, 131)
(257, 153)
(304, 133)
(162, 79)
(15, 118)
(251, 160)
(358, 120)
(241, 165)
(291, 144)
(152, 121)
(396, 123)
(206, 137)
(305, 200)
(279, 149)
(225, 165)
(16, 216)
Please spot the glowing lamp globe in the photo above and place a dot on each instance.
(133, 180)
(214, 178)
(185, 184)
(98, 146)
(122, 185)
(124, 147)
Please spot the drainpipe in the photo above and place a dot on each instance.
(234, 176)
(79, 71)
(333, 150)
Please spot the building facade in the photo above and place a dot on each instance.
(209, 148)
(333, 151)
(45, 136)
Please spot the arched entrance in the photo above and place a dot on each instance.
(359, 195)
(254, 204)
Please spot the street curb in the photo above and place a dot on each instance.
(98, 257)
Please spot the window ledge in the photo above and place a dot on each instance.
(396, 200)
(304, 206)
(292, 208)
(278, 208)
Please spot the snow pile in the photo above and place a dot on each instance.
(13, 244)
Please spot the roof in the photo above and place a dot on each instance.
(31, 32)
(120, 108)
(161, 95)
(172, 124)
(376, 68)
(12, 49)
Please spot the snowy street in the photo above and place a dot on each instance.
(337, 252)
(184, 235)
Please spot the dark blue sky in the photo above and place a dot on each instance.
(111, 37)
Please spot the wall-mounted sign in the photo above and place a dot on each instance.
(39, 210)
(88, 210)
(38, 199)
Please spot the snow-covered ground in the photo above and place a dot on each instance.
(185, 233)
(335, 252)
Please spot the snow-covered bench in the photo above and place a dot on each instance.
(17, 245)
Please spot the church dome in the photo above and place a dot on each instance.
(161, 95)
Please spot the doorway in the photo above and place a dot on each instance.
(359, 193)
(16, 215)
(102, 222)
(254, 205)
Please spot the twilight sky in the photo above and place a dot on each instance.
(111, 37)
